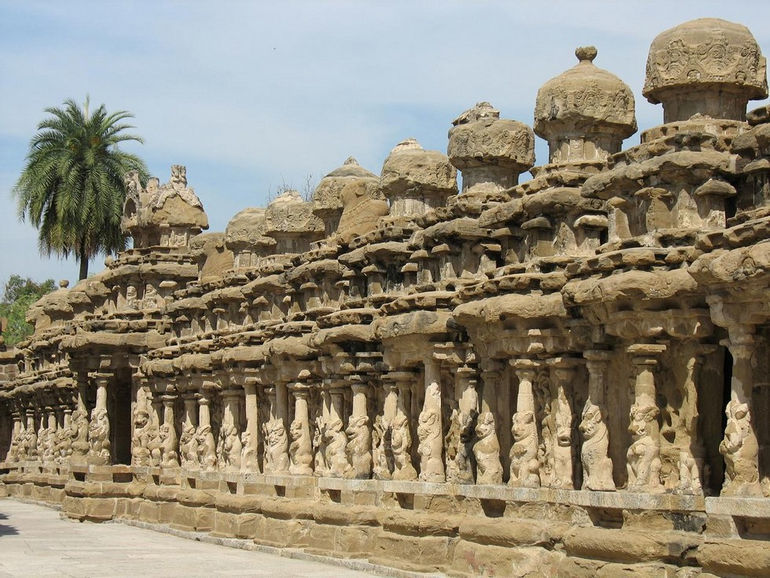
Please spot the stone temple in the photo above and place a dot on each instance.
(564, 376)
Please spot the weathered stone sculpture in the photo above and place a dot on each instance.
(300, 449)
(429, 434)
(99, 437)
(459, 447)
(401, 444)
(524, 464)
(597, 467)
(644, 453)
(276, 453)
(487, 451)
(358, 448)
(739, 449)
(140, 442)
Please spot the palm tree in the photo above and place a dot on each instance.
(72, 186)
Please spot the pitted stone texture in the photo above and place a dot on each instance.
(707, 66)
(585, 112)
(490, 151)
(415, 180)
(328, 203)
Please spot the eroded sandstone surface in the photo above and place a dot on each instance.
(563, 376)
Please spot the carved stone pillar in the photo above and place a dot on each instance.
(188, 445)
(300, 450)
(400, 434)
(562, 377)
(207, 450)
(489, 468)
(319, 434)
(250, 436)
(740, 447)
(30, 435)
(168, 437)
(459, 438)
(99, 425)
(79, 424)
(359, 437)
(594, 452)
(524, 463)
(687, 438)
(156, 420)
(229, 431)
(429, 429)
(49, 450)
(643, 456)
(276, 440)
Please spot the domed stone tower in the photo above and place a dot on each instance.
(706, 66)
(415, 180)
(245, 237)
(291, 222)
(585, 112)
(327, 197)
(491, 152)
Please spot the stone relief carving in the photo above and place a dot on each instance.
(358, 448)
(381, 449)
(401, 444)
(740, 450)
(99, 437)
(276, 452)
(523, 454)
(188, 446)
(300, 449)
(459, 447)
(140, 441)
(207, 449)
(597, 466)
(336, 443)
(489, 470)
(643, 455)
(430, 447)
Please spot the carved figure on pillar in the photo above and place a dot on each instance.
(401, 444)
(301, 449)
(140, 441)
(336, 443)
(230, 447)
(249, 459)
(276, 452)
(168, 441)
(357, 448)
(188, 446)
(319, 445)
(429, 434)
(459, 447)
(380, 449)
(523, 454)
(99, 437)
(207, 451)
(643, 455)
(597, 466)
(79, 435)
(740, 451)
(489, 470)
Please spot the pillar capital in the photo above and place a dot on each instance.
(646, 353)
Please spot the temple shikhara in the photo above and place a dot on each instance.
(564, 376)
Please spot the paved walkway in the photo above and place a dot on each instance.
(36, 541)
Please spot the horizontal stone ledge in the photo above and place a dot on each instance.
(612, 500)
(740, 507)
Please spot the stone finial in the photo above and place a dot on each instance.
(415, 180)
(491, 152)
(707, 66)
(585, 112)
(64, 283)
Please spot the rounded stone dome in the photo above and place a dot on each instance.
(585, 112)
(414, 179)
(327, 197)
(288, 213)
(247, 229)
(707, 66)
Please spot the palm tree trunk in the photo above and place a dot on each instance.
(83, 257)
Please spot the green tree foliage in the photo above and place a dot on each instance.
(19, 294)
(72, 188)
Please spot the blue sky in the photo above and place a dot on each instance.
(252, 95)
